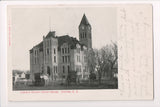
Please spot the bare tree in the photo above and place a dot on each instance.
(91, 63)
(113, 59)
(106, 60)
(91, 60)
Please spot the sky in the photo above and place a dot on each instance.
(30, 24)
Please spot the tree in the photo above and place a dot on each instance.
(106, 60)
(91, 60)
(113, 58)
(91, 64)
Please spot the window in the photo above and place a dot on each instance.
(47, 51)
(85, 34)
(54, 58)
(63, 69)
(35, 56)
(68, 50)
(35, 52)
(63, 50)
(68, 68)
(63, 58)
(34, 60)
(54, 51)
(68, 58)
(79, 59)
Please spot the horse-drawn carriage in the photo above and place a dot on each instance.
(38, 80)
(72, 77)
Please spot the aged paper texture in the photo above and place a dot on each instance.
(80, 52)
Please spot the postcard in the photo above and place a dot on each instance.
(73, 52)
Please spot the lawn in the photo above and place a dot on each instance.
(62, 86)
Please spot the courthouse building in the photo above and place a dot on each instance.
(57, 55)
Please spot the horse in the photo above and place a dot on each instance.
(46, 79)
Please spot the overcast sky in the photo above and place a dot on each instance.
(29, 25)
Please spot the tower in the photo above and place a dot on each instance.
(85, 36)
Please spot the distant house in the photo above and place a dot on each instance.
(56, 56)
(21, 74)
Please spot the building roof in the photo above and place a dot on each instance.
(84, 20)
(51, 34)
(40, 45)
(67, 39)
(61, 39)
(31, 50)
(64, 39)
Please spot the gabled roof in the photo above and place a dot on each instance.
(67, 39)
(84, 20)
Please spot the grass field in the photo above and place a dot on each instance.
(62, 86)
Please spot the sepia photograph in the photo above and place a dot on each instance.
(64, 48)
(75, 52)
